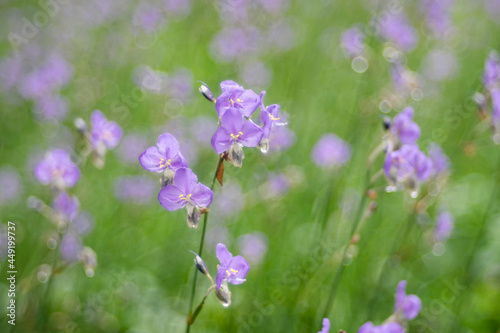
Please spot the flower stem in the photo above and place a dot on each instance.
(202, 241)
(359, 216)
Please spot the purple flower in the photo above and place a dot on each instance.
(71, 245)
(148, 17)
(235, 96)
(131, 146)
(441, 162)
(396, 29)
(104, 132)
(186, 192)
(234, 133)
(276, 186)
(326, 326)
(270, 116)
(352, 41)
(51, 106)
(134, 189)
(331, 151)
(177, 8)
(231, 269)
(65, 206)
(495, 106)
(438, 15)
(408, 165)
(491, 74)
(11, 185)
(253, 246)
(57, 169)
(385, 328)
(404, 128)
(232, 43)
(165, 155)
(408, 305)
(282, 138)
(444, 226)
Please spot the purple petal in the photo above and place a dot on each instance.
(252, 134)
(97, 119)
(178, 162)
(241, 266)
(221, 273)
(185, 180)
(390, 328)
(232, 121)
(151, 159)
(367, 327)
(112, 134)
(202, 196)
(66, 205)
(43, 172)
(267, 124)
(326, 326)
(223, 255)
(411, 306)
(221, 141)
(400, 295)
(248, 101)
(169, 198)
(223, 103)
(229, 85)
(168, 145)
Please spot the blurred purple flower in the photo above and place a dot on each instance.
(404, 128)
(253, 246)
(10, 185)
(104, 132)
(276, 186)
(203, 128)
(445, 223)
(491, 75)
(440, 65)
(148, 17)
(165, 155)
(326, 326)
(51, 106)
(236, 97)
(441, 162)
(495, 106)
(256, 73)
(180, 85)
(135, 189)
(131, 147)
(66, 207)
(231, 269)
(280, 36)
(331, 151)
(82, 224)
(395, 28)
(282, 138)
(71, 245)
(274, 6)
(177, 8)
(186, 192)
(57, 169)
(352, 41)
(407, 165)
(11, 70)
(368, 327)
(408, 305)
(229, 201)
(438, 15)
(233, 43)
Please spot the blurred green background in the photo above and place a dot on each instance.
(143, 278)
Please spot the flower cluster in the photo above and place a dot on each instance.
(61, 173)
(103, 135)
(235, 107)
(231, 270)
(406, 307)
(489, 101)
(180, 187)
(406, 166)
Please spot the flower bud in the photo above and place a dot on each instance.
(205, 91)
(223, 294)
(80, 125)
(200, 264)
(193, 215)
(167, 177)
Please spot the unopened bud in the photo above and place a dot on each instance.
(223, 294)
(205, 91)
(387, 123)
(193, 216)
(80, 125)
(200, 264)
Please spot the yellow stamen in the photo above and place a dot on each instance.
(239, 100)
(272, 118)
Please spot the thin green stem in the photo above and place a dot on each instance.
(340, 270)
(200, 251)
